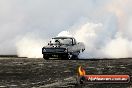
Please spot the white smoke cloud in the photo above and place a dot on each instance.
(30, 46)
(118, 47)
(46, 18)
(64, 34)
(88, 33)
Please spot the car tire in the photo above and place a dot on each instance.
(70, 56)
(45, 57)
(75, 56)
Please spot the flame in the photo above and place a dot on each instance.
(81, 71)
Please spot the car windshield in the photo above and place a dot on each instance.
(61, 41)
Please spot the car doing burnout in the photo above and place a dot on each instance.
(63, 48)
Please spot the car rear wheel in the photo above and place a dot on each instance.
(75, 56)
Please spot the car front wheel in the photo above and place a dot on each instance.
(45, 57)
(70, 56)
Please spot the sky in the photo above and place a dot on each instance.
(103, 25)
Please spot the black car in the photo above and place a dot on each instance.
(62, 48)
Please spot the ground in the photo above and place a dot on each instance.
(39, 73)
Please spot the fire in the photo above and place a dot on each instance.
(81, 71)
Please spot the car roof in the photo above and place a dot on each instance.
(62, 37)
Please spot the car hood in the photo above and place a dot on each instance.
(57, 46)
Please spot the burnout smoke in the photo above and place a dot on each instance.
(30, 46)
(100, 44)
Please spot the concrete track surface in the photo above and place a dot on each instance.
(39, 73)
